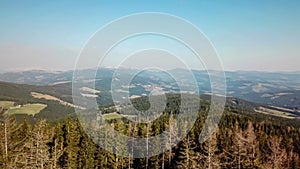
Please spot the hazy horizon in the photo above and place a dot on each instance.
(248, 36)
(91, 68)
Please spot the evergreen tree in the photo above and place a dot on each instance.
(277, 158)
(57, 145)
(73, 136)
(13, 137)
(210, 154)
(37, 148)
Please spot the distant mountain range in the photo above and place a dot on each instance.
(276, 94)
(271, 88)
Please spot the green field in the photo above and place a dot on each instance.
(277, 113)
(6, 104)
(111, 116)
(29, 109)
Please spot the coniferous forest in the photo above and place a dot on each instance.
(242, 140)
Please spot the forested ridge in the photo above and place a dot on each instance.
(242, 140)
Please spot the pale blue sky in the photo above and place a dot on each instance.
(248, 35)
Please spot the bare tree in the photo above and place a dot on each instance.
(57, 148)
(173, 137)
(37, 149)
(210, 156)
(12, 140)
(277, 158)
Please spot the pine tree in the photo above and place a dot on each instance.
(252, 160)
(173, 137)
(37, 149)
(156, 146)
(120, 143)
(210, 156)
(57, 145)
(86, 154)
(132, 131)
(277, 158)
(186, 154)
(73, 136)
(240, 151)
(13, 137)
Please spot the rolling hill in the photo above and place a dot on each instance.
(58, 103)
(20, 94)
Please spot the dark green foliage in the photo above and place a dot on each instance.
(244, 139)
(21, 94)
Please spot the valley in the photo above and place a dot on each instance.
(268, 113)
(269, 90)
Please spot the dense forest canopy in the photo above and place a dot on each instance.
(242, 140)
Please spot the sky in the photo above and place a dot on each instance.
(247, 35)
